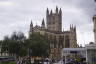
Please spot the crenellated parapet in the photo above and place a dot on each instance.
(54, 20)
(58, 39)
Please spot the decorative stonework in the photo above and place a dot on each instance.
(53, 31)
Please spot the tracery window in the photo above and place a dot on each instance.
(67, 42)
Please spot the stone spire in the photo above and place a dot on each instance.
(56, 9)
(43, 24)
(51, 12)
(60, 11)
(47, 12)
(31, 28)
(72, 28)
(31, 25)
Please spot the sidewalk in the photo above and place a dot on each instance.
(56, 63)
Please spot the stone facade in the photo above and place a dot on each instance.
(94, 23)
(91, 53)
(53, 31)
(54, 20)
(73, 53)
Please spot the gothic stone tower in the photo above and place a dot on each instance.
(43, 24)
(73, 37)
(58, 39)
(94, 22)
(54, 20)
(31, 28)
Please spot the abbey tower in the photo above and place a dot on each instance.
(58, 39)
(54, 20)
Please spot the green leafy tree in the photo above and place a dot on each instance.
(15, 44)
(5, 43)
(38, 45)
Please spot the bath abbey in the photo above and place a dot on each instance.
(53, 31)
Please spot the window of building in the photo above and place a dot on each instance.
(67, 42)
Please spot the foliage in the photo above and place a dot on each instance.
(10, 62)
(17, 44)
(14, 44)
(38, 45)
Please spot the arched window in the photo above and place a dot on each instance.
(55, 42)
(67, 42)
(60, 41)
(51, 41)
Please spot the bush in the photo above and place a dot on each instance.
(12, 62)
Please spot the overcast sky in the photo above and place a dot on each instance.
(16, 15)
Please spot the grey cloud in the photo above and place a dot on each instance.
(17, 17)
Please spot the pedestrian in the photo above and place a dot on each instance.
(18, 62)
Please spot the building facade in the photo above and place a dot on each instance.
(94, 23)
(88, 52)
(91, 53)
(53, 31)
(91, 48)
(73, 53)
